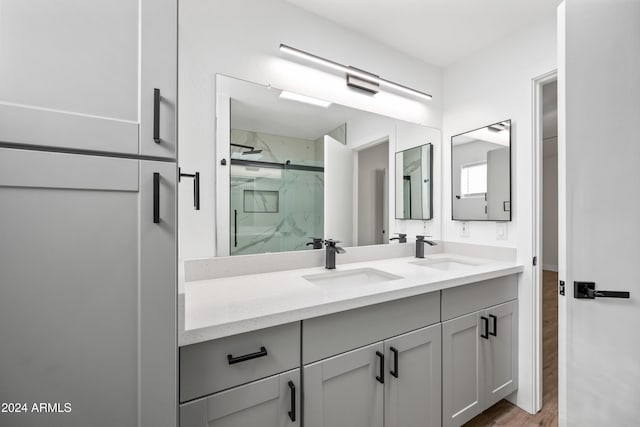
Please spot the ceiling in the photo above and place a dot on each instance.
(439, 32)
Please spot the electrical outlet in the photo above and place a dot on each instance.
(501, 231)
(464, 229)
(425, 228)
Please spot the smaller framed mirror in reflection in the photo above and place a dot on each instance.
(481, 174)
(414, 183)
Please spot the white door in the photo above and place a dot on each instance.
(338, 191)
(413, 387)
(346, 390)
(599, 210)
(82, 75)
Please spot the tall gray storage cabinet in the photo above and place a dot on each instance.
(88, 253)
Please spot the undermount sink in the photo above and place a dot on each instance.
(357, 277)
(446, 263)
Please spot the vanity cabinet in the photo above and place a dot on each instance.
(270, 402)
(479, 361)
(395, 383)
(83, 75)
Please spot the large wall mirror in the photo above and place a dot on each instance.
(414, 183)
(292, 168)
(481, 174)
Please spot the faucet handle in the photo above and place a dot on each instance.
(316, 242)
(331, 242)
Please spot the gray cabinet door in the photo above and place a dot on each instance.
(343, 390)
(500, 352)
(413, 386)
(81, 75)
(86, 317)
(462, 370)
(271, 402)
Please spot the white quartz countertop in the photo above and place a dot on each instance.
(221, 307)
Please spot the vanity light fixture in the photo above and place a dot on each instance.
(305, 99)
(355, 77)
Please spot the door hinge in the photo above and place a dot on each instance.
(535, 260)
(561, 288)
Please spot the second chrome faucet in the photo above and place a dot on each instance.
(332, 249)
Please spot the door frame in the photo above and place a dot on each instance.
(537, 163)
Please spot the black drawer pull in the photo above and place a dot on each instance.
(232, 360)
(156, 116)
(485, 327)
(292, 412)
(495, 325)
(394, 373)
(380, 377)
(156, 198)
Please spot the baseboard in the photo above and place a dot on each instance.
(549, 267)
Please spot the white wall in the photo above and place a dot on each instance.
(240, 38)
(493, 85)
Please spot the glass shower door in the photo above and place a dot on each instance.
(257, 219)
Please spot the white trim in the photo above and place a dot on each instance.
(536, 155)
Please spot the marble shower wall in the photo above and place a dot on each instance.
(275, 209)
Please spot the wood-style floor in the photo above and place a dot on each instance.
(504, 413)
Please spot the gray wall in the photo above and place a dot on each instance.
(550, 177)
(370, 197)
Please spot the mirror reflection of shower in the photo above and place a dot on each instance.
(276, 192)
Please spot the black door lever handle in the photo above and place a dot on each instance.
(587, 290)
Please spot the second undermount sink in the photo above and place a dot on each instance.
(356, 277)
(447, 263)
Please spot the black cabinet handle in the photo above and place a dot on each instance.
(495, 325)
(233, 360)
(485, 327)
(156, 116)
(292, 412)
(156, 198)
(380, 377)
(394, 372)
(196, 186)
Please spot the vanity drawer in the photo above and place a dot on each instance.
(332, 334)
(206, 368)
(476, 296)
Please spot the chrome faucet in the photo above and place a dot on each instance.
(402, 238)
(332, 249)
(420, 242)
